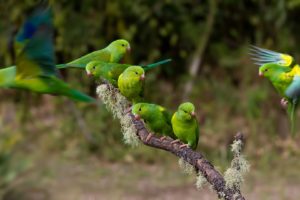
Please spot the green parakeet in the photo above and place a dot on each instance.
(112, 71)
(287, 85)
(35, 67)
(156, 117)
(131, 83)
(283, 72)
(114, 52)
(185, 125)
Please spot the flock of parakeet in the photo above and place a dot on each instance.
(35, 70)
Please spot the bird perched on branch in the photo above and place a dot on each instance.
(284, 74)
(112, 71)
(156, 117)
(35, 66)
(131, 83)
(185, 125)
(114, 52)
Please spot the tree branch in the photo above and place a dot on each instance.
(118, 104)
(196, 159)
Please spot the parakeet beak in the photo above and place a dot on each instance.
(142, 77)
(128, 48)
(137, 117)
(89, 73)
(260, 74)
(193, 114)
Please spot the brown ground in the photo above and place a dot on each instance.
(65, 179)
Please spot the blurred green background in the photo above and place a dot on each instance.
(51, 148)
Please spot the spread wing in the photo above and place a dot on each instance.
(263, 56)
(34, 46)
(293, 91)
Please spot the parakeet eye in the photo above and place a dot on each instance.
(136, 73)
(140, 109)
(123, 45)
(94, 67)
(266, 70)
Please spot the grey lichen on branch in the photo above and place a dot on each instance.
(135, 131)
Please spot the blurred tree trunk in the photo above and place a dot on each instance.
(196, 60)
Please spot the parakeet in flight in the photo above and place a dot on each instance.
(35, 66)
(112, 71)
(185, 125)
(131, 83)
(284, 74)
(114, 52)
(156, 117)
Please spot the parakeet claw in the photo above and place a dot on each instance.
(175, 141)
(128, 110)
(149, 137)
(183, 145)
(284, 102)
(162, 138)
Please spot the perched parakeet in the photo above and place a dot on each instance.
(112, 71)
(283, 72)
(131, 83)
(185, 125)
(156, 117)
(114, 52)
(35, 67)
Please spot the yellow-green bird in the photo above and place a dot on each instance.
(114, 52)
(111, 71)
(131, 83)
(35, 65)
(284, 74)
(185, 125)
(156, 117)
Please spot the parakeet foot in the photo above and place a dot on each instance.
(128, 110)
(284, 102)
(175, 141)
(162, 138)
(149, 137)
(183, 145)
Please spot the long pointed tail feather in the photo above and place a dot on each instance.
(79, 96)
(292, 111)
(153, 65)
(62, 66)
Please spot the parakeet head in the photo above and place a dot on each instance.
(135, 72)
(270, 69)
(186, 111)
(138, 110)
(92, 68)
(121, 46)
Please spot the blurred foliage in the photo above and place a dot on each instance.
(227, 92)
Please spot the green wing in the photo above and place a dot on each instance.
(7, 76)
(100, 55)
(34, 46)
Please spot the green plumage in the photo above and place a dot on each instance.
(131, 83)
(35, 66)
(114, 52)
(112, 71)
(185, 125)
(156, 117)
(287, 83)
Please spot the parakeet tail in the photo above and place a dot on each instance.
(153, 65)
(79, 96)
(291, 111)
(63, 66)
